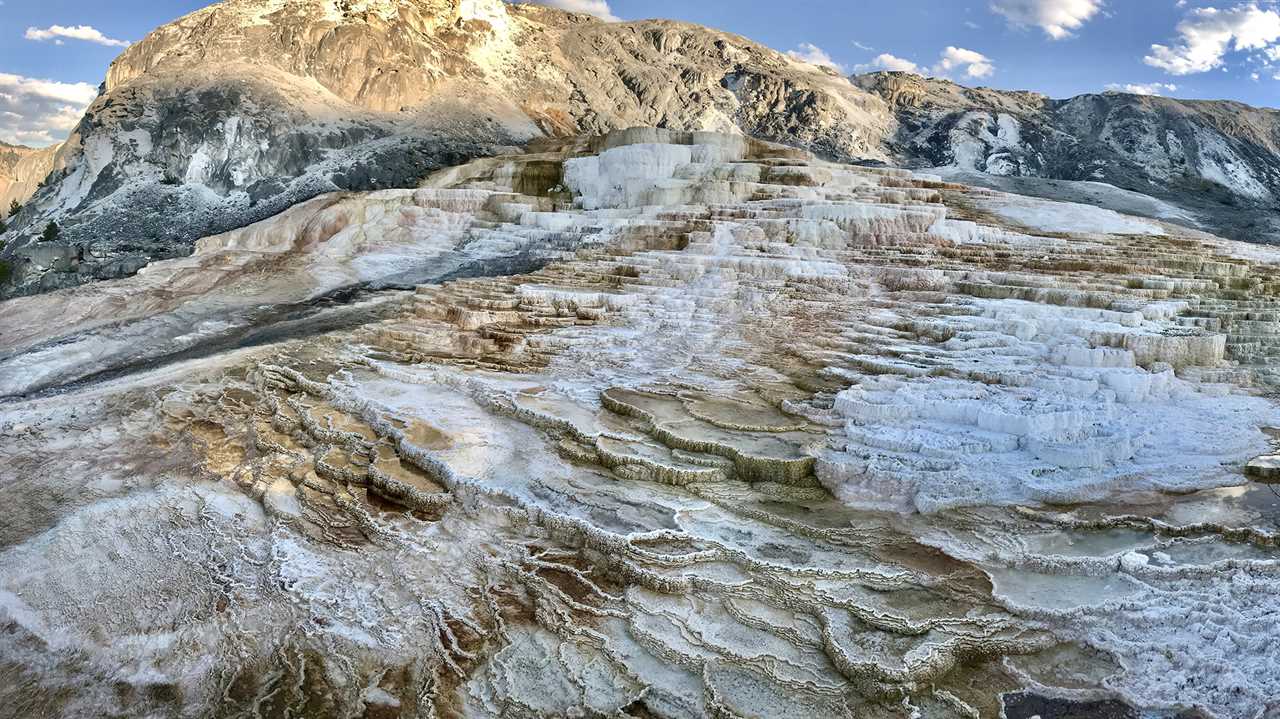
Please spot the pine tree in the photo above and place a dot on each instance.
(14, 207)
(51, 232)
(3, 227)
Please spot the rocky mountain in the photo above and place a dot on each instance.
(242, 109)
(22, 169)
(1217, 161)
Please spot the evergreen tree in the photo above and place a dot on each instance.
(3, 227)
(51, 232)
(14, 207)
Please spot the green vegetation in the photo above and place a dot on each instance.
(51, 233)
(14, 207)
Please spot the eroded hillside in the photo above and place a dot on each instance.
(1217, 162)
(240, 110)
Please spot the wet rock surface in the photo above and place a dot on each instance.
(709, 428)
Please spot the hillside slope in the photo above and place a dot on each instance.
(244, 108)
(241, 110)
(1220, 160)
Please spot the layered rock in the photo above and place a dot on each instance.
(657, 423)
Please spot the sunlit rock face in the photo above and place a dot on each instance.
(22, 169)
(649, 424)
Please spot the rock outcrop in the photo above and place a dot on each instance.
(652, 424)
(240, 110)
(1217, 162)
(22, 169)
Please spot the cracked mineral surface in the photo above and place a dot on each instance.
(651, 424)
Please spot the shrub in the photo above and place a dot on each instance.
(51, 232)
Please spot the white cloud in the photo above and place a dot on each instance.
(1151, 88)
(40, 112)
(974, 64)
(1206, 34)
(972, 25)
(1058, 18)
(77, 32)
(814, 55)
(967, 63)
(860, 46)
(599, 8)
(885, 61)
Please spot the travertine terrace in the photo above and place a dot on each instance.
(650, 424)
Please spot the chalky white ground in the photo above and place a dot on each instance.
(763, 434)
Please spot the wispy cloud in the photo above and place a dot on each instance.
(40, 112)
(814, 55)
(1206, 34)
(1057, 18)
(599, 8)
(1151, 88)
(76, 32)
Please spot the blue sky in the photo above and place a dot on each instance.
(53, 53)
